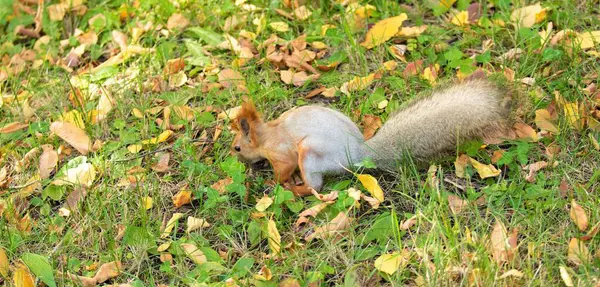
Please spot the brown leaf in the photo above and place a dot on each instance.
(591, 233)
(474, 11)
(286, 76)
(108, 271)
(173, 66)
(544, 121)
(413, 68)
(496, 156)
(222, 184)
(163, 163)
(577, 252)
(230, 78)
(577, 214)
(48, 161)
(314, 92)
(533, 169)
(460, 164)
(456, 203)
(525, 131)
(405, 225)
(194, 253)
(183, 197)
(502, 247)
(73, 135)
(371, 124)
(177, 22)
(337, 225)
(73, 199)
(12, 127)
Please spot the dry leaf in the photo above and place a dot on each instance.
(163, 163)
(230, 78)
(588, 40)
(528, 16)
(407, 224)
(4, 263)
(409, 32)
(578, 253)
(22, 277)
(48, 161)
(222, 184)
(302, 13)
(460, 165)
(84, 174)
(195, 223)
(502, 248)
(460, 19)
(264, 203)
(511, 273)
(591, 233)
(339, 224)
(484, 170)
(370, 183)
(390, 263)
(533, 169)
(274, 238)
(577, 214)
(358, 83)
(564, 274)
(183, 197)
(147, 202)
(456, 203)
(108, 271)
(313, 211)
(371, 124)
(12, 127)
(194, 253)
(544, 121)
(573, 115)
(279, 26)
(73, 135)
(171, 224)
(177, 22)
(525, 131)
(383, 31)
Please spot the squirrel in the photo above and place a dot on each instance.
(319, 140)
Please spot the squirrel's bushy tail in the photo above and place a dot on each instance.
(432, 125)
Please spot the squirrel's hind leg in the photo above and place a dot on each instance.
(308, 163)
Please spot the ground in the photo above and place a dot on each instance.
(116, 167)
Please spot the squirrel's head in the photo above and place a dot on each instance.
(247, 126)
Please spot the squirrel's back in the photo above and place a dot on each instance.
(429, 126)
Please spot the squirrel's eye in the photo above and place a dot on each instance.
(237, 148)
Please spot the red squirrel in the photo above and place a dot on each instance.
(318, 140)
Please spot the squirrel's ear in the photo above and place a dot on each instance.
(244, 126)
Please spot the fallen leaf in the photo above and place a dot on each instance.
(525, 131)
(48, 161)
(533, 169)
(501, 248)
(108, 271)
(358, 83)
(177, 22)
(591, 233)
(460, 165)
(194, 253)
(163, 163)
(371, 124)
(83, 173)
(177, 80)
(279, 26)
(373, 202)
(274, 238)
(313, 211)
(528, 16)
(577, 252)
(222, 184)
(460, 19)
(588, 40)
(456, 203)
(171, 224)
(544, 121)
(195, 223)
(4, 263)
(339, 224)
(264, 203)
(147, 202)
(484, 170)
(410, 32)
(511, 273)
(13, 127)
(577, 214)
(573, 115)
(564, 274)
(302, 13)
(73, 135)
(230, 78)
(183, 197)
(390, 263)
(370, 183)
(383, 31)
(407, 224)
(22, 277)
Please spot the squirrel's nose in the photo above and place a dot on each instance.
(237, 148)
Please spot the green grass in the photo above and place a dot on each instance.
(446, 249)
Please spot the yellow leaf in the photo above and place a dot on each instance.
(22, 277)
(73, 117)
(577, 214)
(461, 19)
(161, 138)
(274, 239)
(588, 40)
(460, 165)
(279, 26)
(171, 224)
(390, 263)
(264, 203)
(544, 121)
(528, 16)
(409, 32)
(564, 274)
(390, 65)
(163, 247)
(511, 273)
(147, 202)
(183, 197)
(483, 170)
(134, 148)
(573, 115)
(577, 252)
(195, 223)
(73, 135)
(326, 27)
(383, 31)
(107, 271)
(358, 83)
(4, 263)
(370, 183)
(194, 253)
(302, 13)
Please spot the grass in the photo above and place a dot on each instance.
(444, 248)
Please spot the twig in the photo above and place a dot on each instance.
(143, 154)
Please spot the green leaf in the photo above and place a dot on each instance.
(242, 267)
(54, 191)
(453, 54)
(40, 267)
(211, 254)
(208, 36)
(198, 57)
(484, 58)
